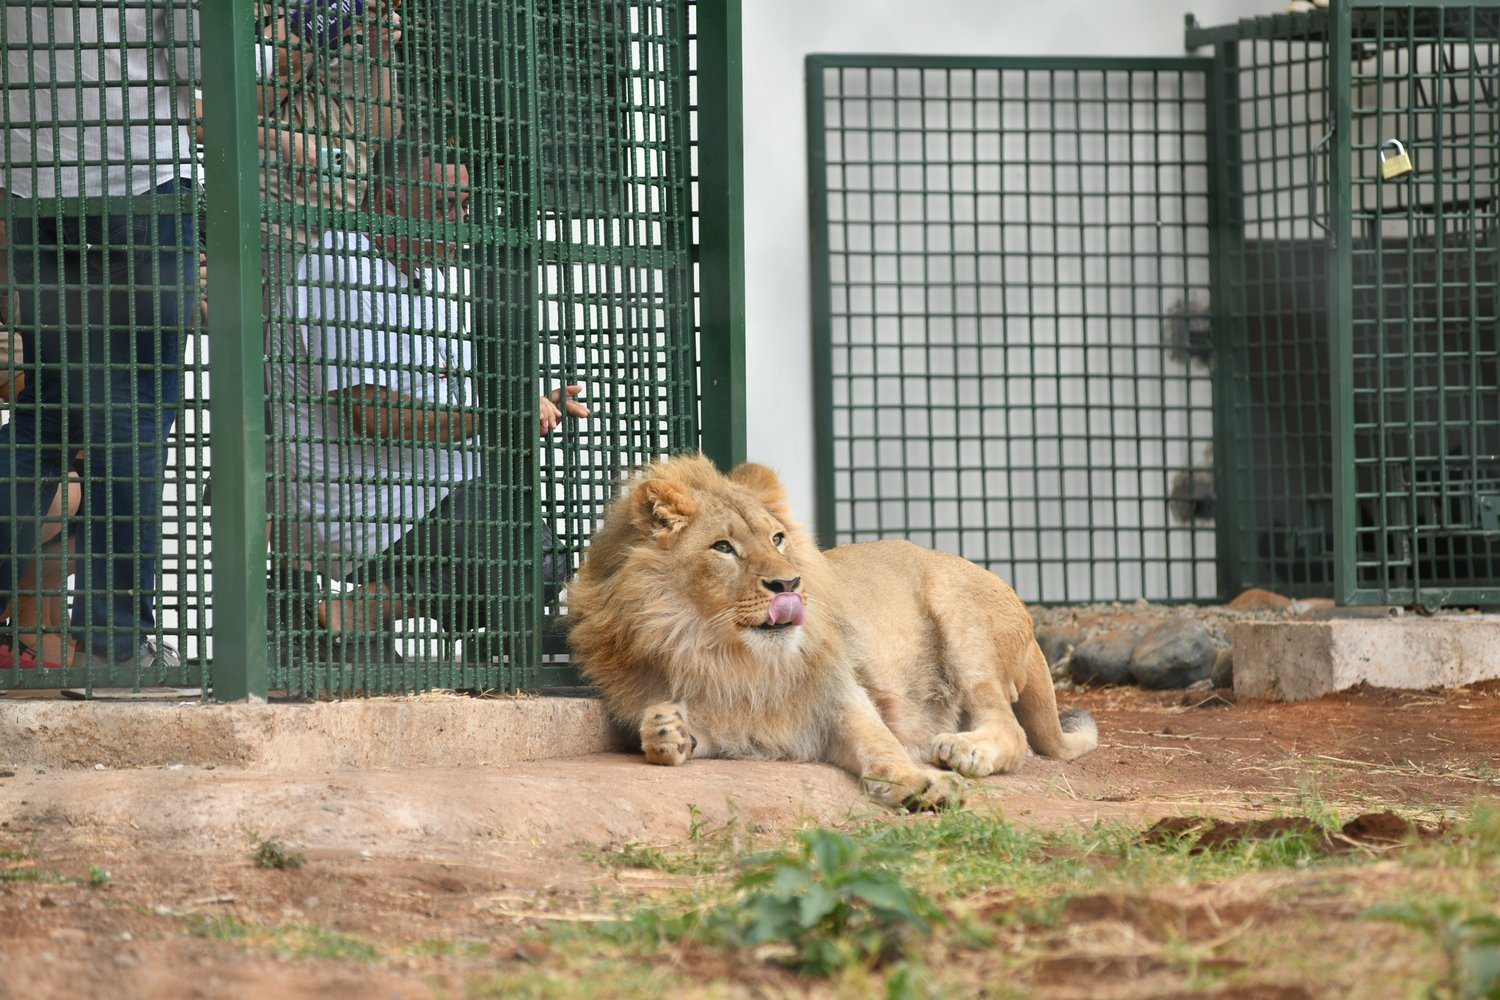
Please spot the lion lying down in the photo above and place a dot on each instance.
(711, 620)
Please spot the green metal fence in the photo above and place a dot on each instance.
(1359, 309)
(1011, 276)
(1170, 329)
(418, 219)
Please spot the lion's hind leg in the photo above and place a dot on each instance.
(995, 746)
(995, 743)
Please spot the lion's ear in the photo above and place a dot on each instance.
(660, 507)
(766, 487)
(759, 480)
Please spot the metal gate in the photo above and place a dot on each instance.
(1011, 274)
(1357, 301)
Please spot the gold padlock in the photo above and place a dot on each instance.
(1398, 165)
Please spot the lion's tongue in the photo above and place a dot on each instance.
(786, 609)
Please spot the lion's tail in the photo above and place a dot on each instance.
(1065, 736)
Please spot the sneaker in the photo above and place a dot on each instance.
(151, 656)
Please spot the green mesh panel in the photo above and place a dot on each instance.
(1359, 311)
(1426, 356)
(410, 241)
(1011, 288)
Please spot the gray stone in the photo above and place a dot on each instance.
(1222, 674)
(1055, 641)
(1173, 655)
(1104, 658)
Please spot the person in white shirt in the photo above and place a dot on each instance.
(97, 105)
(375, 421)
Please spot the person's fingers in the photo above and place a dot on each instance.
(551, 416)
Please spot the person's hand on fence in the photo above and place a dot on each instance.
(203, 287)
(383, 34)
(552, 416)
(12, 379)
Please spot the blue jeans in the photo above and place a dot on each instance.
(106, 303)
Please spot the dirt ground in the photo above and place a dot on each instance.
(411, 859)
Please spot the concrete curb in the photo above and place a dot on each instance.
(1294, 661)
(416, 732)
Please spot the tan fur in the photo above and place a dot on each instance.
(907, 660)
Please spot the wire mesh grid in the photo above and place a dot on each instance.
(1426, 393)
(1275, 289)
(461, 207)
(103, 363)
(1011, 271)
(1402, 351)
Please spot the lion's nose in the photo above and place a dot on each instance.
(782, 586)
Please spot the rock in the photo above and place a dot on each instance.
(1104, 658)
(1173, 655)
(1256, 599)
(1056, 640)
(1222, 674)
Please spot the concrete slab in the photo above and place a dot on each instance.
(1297, 660)
(421, 731)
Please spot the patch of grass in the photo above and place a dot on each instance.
(290, 943)
(713, 849)
(226, 927)
(17, 866)
(21, 867)
(98, 877)
(299, 942)
(268, 852)
(443, 948)
(634, 855)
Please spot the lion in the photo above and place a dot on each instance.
(712, 623)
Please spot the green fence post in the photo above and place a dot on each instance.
(1231, 396)
(1341, 305)
(237, 403)
(721, 165)
(825, 522)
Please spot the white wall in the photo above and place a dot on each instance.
(778, 34)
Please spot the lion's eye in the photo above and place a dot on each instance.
(723, 545)
(778, 538)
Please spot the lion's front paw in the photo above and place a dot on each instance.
(915, 789)
(664, 735)
(975, 756)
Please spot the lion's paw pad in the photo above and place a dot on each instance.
(970, 755)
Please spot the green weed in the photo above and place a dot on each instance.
(1469, 941)
(17, 866)
(830, 903)
(272, 853)
(227, 927)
